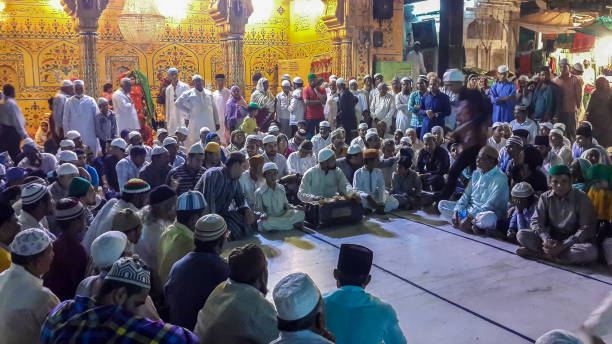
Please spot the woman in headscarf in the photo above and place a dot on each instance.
(283, 145)
(235, 109)
(266, 102)
(599, 111)
(214, 137)
(42, 134)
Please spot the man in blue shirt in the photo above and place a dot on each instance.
(352, 315)
(435, 107)
(503, 97)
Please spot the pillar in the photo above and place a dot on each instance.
(450, 51)
(233, 51)
(86, 14)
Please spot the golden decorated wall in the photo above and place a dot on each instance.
(39, 48)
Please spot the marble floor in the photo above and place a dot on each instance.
(446, 286)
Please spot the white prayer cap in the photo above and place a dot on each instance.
(204, 130)
(354, 149)
(406, 139)
(172, 70)
(559, 126)
(102, 101)
(578, 66)
(67, 156)
(522, 189)
(336, 132)
(341, 81)
(67, 83)
(73, 134)
(286, 77)
(157, 150)
(295, 296)
(260, 136)
(161, 130)
(108, 248)
(126, 80)
(79, 83)
(428, 136)
(453, 75)
(26, 141)
(133, 134)
(325, 154)
(66, 169)
(370, 134)
(324, 124)
(556, 131)
(382, 85)
(503, 69)
(273, 129)
(416, 42)
(546, 125)
(196, 77)
(269, 166)
(437, 128)
(332, 77)
(497, 124)
(183, 130)
(352, 81)
(269, 139)
(285, 83)
(523, 78)
(404, 79)
(119, 143)
(251, 138)
(564, 61)
(298, 80)
(196, 148)
(363, 126)
(169, 141)
(30, 242)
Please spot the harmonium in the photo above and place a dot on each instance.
(333, 211)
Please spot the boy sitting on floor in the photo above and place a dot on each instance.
(524, 206)
(563, 225)
(271, 201)
(406, 185)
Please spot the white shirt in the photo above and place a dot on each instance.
(103, 221)
(282, 105)
(359, 141)
(296, 108)
(220, 97)
(80, 115)
(48, 163)
(300, 165)
(368, 183)
(551, 160)
(24, 305)
(491, 142)
(317, 183)
(564, 152)
(403, 115)
(249, 186)
(319, 143)
(126, 170)
(200, 110)
(300, 337)
(58, 110)
(528, 125)
(174, 117)
(127, 117)
(383, 108)
(10, 115)
(418, 64)
(330, 110)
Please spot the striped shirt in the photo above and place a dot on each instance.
(186, 178)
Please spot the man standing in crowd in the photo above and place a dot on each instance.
(221, 95)
(503, 96)
(80, 113)
(127, 117)
(314, 97)
(175, 118)
(12, 123)
(415, 57)
(571, 94)
(199, 108)
(66, 91)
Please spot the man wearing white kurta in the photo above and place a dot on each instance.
(80, 113)
(369, 182)
(221, 96)
(403, 117)
(199, 108)
(174, 117)
(66, 91)
(382, 107)
(127, 117)
(325, 180)
(271, 200)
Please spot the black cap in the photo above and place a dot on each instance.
(521, 133)
(542, 141)
(161, 193)
(220, 76)
(355, 259)
(6, 211)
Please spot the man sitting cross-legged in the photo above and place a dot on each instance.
(563, 225)
(485, 199)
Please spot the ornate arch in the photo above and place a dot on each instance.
(58, 61)
(177, 56)
(117, 58)
(265, 61)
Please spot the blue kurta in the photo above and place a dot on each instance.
(486, 192)
(440, 105)
(503, 111)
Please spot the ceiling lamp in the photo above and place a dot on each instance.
(3, 15)
(140, 22)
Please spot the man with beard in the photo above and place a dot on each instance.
(271, 155)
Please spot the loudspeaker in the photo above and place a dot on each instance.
(377, 39)
(425, 32)
(383, 9)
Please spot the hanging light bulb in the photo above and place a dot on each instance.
(140, 22)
